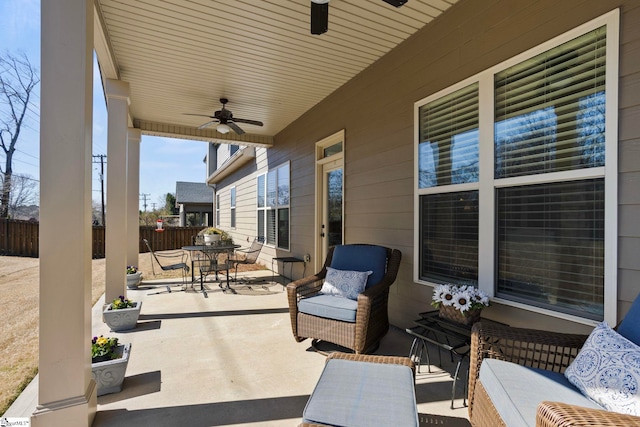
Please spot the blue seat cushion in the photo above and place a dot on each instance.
(356, 394)
(330, 307)
(630, 325)
(517, 390)
(361, 258)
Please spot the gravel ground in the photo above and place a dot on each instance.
(19, 284)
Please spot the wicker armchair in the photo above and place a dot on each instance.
(372, 321)
(538, 349)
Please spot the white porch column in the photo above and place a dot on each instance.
(133, 191)
(66, 392)
(116, 217)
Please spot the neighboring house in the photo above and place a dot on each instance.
(195, 202)
(486, 148)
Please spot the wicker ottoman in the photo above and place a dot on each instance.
(364, 390)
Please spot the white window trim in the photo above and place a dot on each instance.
(265, 208)
(232, 209)
(486, 184)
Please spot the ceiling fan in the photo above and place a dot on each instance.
(225, 120)
(320, 14)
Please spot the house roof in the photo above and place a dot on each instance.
(182, 57)
(193, 192)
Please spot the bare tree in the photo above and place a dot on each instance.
(18, 78)
(24, 191)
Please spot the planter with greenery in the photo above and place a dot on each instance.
(134, 277)
(122, 314)
(109, 362)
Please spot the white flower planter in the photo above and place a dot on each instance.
(133, 280)
(109, 374)
(210, 238)
(122, 319)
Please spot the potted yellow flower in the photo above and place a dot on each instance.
(109, 362)
(134, 277)
(122, 314)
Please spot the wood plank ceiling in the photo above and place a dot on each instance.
(182, 56)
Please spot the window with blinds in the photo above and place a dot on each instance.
(448, 148)
(233, 207)
(449, 238)
(551, 246)
(218, 210)
(273, 198)
(534, 190)
(550, 110)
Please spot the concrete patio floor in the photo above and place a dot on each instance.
(230, 359)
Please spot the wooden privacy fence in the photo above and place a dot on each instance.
(20, 238)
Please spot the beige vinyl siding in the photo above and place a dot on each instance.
(376, 111)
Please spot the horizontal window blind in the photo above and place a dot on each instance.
(448, 147)
(271, 227)
(261, 191)
(283, 228)
(550, 110)
(551, 246)
(449, 238)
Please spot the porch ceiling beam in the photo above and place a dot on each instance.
(209, 135)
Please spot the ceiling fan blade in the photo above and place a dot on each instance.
(235, 128)
(249, 122)
(207, 124)
(199, 115)
(319, 16)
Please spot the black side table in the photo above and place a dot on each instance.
(445, 334)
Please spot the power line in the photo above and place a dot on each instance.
(101, 157)
(144, 197)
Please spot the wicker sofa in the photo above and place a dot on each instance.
(530, 363)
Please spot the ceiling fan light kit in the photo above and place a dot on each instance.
(320, 14)
(226, 120)
(222, 128)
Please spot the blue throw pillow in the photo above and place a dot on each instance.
(346, 284)
(361, 258)
(630, 326)
(607, 370)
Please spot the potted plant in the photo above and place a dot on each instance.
(134, 277)
(213, 234)
(109, 362)
(122, 314)
(462, 304)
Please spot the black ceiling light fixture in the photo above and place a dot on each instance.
(320, 14)
(396, 3)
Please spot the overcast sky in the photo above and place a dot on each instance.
(163, 161)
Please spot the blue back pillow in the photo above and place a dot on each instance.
(630, 325)
(361, 258)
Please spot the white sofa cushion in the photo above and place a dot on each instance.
(517, 390)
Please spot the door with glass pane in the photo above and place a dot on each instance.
(332, 221)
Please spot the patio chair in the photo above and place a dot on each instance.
(247, 255)
(357, 320)
(179, 258)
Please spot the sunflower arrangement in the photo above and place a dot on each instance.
(463, 298)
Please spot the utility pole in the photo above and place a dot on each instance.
(101, 157)
(144, 197)
(153, 206)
